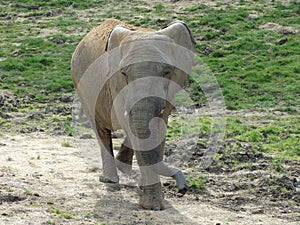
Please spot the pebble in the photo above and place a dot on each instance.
(86, 136)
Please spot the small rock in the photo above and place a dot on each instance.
(4, 115)
(17, 44)
(16, 53)
(86, 136)
(258, 211)
(253, 16)
(283, 41)
(165, 184)
(36, 116)
(278, 28)
(117, 134)
(206, 50)
(58, 41)
(147, 10)
(66, 98)
(22, 83)
(288, 30)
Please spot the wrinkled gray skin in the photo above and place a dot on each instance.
(142, 92)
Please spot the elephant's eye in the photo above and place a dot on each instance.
(167, 71)
(123, 72)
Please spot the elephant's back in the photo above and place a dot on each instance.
(102, 32)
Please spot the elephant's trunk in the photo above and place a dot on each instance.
(148, 156)
(142, 113)
(142, 128)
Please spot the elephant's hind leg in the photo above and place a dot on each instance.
(109, 174)
(124, 157)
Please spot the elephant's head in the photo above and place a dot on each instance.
(153, 67)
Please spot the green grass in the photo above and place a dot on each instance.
(185, 125)
(197, 183)
(28, 192)
(247, 59)
(67, 145)
(10, 159)
(278, 136)
(60, 213)
(10, 190)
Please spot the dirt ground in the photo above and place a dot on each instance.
(47, 180)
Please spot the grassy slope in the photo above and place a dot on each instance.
(256, 68)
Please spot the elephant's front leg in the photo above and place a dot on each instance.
(152, 197)
(109, 174)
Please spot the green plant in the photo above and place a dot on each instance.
(251, 190)
(9, 159)
(61, 213)
(283, 190)
(10, 190)
(28, 192)
(159, 7)
(68, 128)
(251, 136)
(198, 183)
(278, 166)
(292, 203)
(67, 144)
(32, 204)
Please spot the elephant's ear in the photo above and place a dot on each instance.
(181, 34)
(116, 36)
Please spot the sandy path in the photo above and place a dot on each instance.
(43, 182)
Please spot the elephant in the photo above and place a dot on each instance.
(126, 77)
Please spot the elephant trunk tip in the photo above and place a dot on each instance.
(182, 184)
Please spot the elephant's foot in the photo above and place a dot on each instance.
(152, 197)
(110, 184)
(182, 185)
(109, 180)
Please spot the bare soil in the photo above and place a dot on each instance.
(47, 180)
